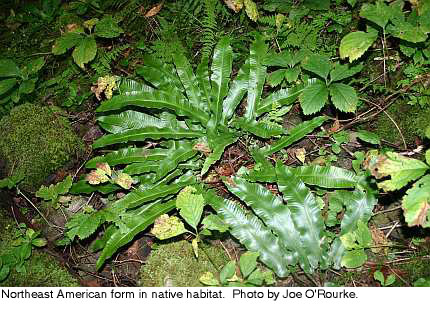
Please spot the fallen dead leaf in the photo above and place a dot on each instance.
(154, 10)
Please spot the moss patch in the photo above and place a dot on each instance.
(36, 141)
(411, 119)
(41, 268)
(174, 264)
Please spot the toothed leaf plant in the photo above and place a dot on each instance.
(164, 135)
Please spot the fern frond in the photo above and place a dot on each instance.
(209, 28)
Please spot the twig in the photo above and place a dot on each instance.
(391, 230)
(388, 210)
(397, 225)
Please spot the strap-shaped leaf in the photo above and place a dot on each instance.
(257, 77)
(144, 134)
(275, 215)
(219, 145)
(359, 206)
(326, 177)
(127, 156)
(306, 215)
(260, 129)
(221, 69)
(183, 153)
(283, 96)
(157, 100)
(252, 233)
(126, 120)
(161, 75)
(83, 187)
(143, 195)
(128, 86)
(202, 75)
(294, 135)
(235, 95)
(134, 223)
(187, 77)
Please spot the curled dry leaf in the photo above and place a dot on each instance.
(154, 10)
(235, 5)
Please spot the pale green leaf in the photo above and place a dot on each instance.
(344, 97)
(53, 191)
(209, 279)
(228, 271)
(354, 258)
(416, 203)
(107, 27)
(190, 206)
(313, 98)
(355, 44)
(248, 263)
(166, 227)
(85, 51)
(378, 13)
(214, 222)
(369, 137)
(406, 31)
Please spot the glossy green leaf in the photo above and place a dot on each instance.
(282, 97)
(359, 206)
(220, 78)
(127, 156)
(341, 72)
(259, 129)
(257, 77)
(355, 44)
(354, 258)
(214, 222)
(202, 76)
(416, 203)
(182, 153)
(295, 135)
(134, 223)
(85, 51)
(157, 100)
(251, 232)
(326, 176)
(313, 98)
(219, 145)
(343, 97)
(305, 213)
(369, 137)
(145, 134)
(83, 225)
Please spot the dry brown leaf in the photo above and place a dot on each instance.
(422, 217)
(235, 5)
(154, 10)
(379, 240)
(71, 27)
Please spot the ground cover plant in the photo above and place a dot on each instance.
(269, 137)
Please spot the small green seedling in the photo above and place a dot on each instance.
(379, 276)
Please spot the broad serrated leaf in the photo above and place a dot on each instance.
(416, 203)
(221, 69)
(85, 51)
(276, 77)
(8, 68)
(214, 222)
(406, 31)
(66, 41)
(227, 272)
(11, 181)
(355, 44)
(248, 263)
(399, 168)
(320, 65)
(313, 97)
(83, 225)
(344, 97)
(379, 13)
(295, 135)
(326, 177)
(53, 191)
(27, 87)
(166, 227)
(145, 134)
(190, 206)
(369, 137)
(341, 72)
(354, 258)
(134, 223)
(107, 27)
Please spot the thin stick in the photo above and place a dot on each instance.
(388, 210)
(383, 51)
(391, 230)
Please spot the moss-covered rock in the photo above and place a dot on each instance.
(36, 141)
(41, 269)
(411, 119)
(174, 264)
